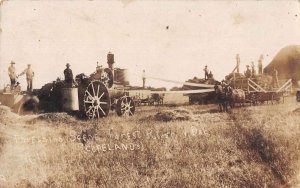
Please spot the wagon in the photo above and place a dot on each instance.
(258, 89)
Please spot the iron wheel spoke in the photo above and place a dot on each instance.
(90, 108)
(94, 113)
(130, 112)
(101, 95)
(102, 110)
(89, 102)
(89, 93)
(93, 89)
(98, 113)
(98, 90)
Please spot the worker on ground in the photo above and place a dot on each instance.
(12, 73)
(68, 75)
(248, 72)
(205, 72)
(275, 82)
(29, 77)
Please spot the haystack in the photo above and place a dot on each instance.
(174, 115)
(56, 117)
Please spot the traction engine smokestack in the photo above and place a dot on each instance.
(110, 60)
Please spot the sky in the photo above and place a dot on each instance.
(171, 40)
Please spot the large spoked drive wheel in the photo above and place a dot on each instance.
(125, 106)
(96, 100)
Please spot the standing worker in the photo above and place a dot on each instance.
(12, 74)
(29, 77)
(205, 72)
(248, 72)
(260, 66)
(275, 82)
(68, 75)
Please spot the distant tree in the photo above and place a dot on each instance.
(176, 89)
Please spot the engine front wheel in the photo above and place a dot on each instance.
(125, 106)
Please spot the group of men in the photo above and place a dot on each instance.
(250, 73)
(30, 74)
(13, 76)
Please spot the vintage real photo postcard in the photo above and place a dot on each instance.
(132, 93)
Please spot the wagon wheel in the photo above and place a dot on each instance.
(125, 106)
(253, 99)
(107, 77)
(279, 98)
(96, 100)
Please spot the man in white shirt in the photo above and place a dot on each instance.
(29, 77)
(12, 73)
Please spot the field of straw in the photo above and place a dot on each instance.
(179, 146)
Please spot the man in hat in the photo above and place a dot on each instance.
(248, 72)
(68, 75)
(29, 77)
(205, 72)
(12, 73)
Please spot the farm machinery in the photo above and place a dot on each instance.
(90, 96)
(146, 96)
(19, 102)
(200, 98)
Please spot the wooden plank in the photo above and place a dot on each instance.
(284, 85)
(258, 86)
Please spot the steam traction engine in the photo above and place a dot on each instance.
(93, 96)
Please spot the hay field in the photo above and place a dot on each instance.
(181, 146)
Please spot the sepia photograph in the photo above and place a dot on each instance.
(148, 93)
